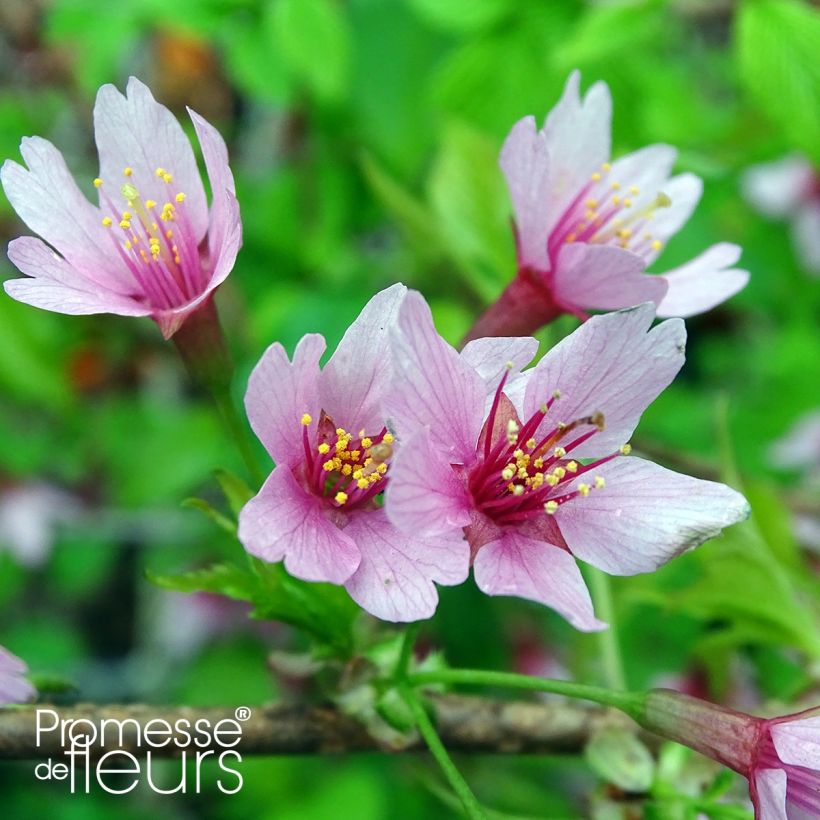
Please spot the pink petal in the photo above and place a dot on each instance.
(280, 392)
(798, 741)
(806, 234)
(395, 579)
(47, 199)
(136, 131)
(225, 226)
(609, 364)
(603, 277)
(423, 495)
(525, 164)
(645, 515)
(647, 169)
(284, 521)
(684, 191)
(14, 688)
(777, 188)
(59, 287)
(578, 139)
(491, 357)
(433, 387)
(769, 794)
(704, 282)
(357, 375)
(516, 565)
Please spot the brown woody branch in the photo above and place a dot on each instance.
(467, 724)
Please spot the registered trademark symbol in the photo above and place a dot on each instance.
(242, 713)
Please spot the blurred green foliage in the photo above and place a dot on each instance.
(364, 136)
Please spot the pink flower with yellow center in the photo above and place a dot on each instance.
(152, 247)
(780, 756)
(534, 468)
(320, 510)
(587, 227)
(14, 688)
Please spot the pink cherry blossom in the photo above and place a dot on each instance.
(587, 228)
(14, 688)
(780, 756)
(789, 188)
(152, 247)
(534, 467)
(319, 510)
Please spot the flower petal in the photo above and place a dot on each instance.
(59, 287)
(777, 188)
(14, 688)
(47, 199)
(603, 277)
(768, 789)
(685, 192)
(797, 741)
(225, 226)
(280, 392)
(423, 495)
(645, 515)
(491, 357)
(284, 521)
(806, 234)
(395, 579)
(578, 136)
(519, 566)
(612, 365)
(647, 169)
(525, 165)
(357, 375)
(136, 131)
(433, 386)
(704, 282)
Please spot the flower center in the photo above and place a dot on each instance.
(523, 474)
(156, 243)
(346, 470)
(608, 212)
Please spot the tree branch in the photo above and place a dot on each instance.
(466, 724)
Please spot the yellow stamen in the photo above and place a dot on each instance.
(107, 221)
(583, 490)
(97, 182)
(306, 419)
(340, 497)
(626, 449)
(128, 171)
(180, 197)
(550, 507)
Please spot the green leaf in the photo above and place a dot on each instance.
(220, 519)
(777, 43)
(236, 490)
(313, 38)
(463, 15)
(617, 756)
(324, 610)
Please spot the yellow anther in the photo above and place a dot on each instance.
(346, 469)
(551, 479)
(512, 431)
(627, 203)
(560, 452)
(160, 172)
(616, 200)
(662, 200)
(518, 453)
(355, 454)
(522, 473)
(177, 259)
(538, 463)
(616, 186)
(583, 490)
(381, 469)
(592, 204)
(572, 466)
(324, 448)
(537, 480)
(626, 449)
(561, 425)
(167, 178)
(657, 245)
(128, 245)
(180, 197)
(625, 233)
(128, 171)
(596, 177)
(556, 394)
(388, 438)
(517, 490)
(340, 431)
(606, 167)
(97, 182)
(598, 419)
(634, 190)
(362, 483)
(571, 237)
(559, 472)
(328, 465)
(367, 442)
(125, 224)
(600, 482)
(550, 507)
(129, 192)
(507, 473)
(306, 419)
(107, 221)
(127, 214)
(170, 234)
(357, 474)
(149, 203)
(340, 497)
(531, 442)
